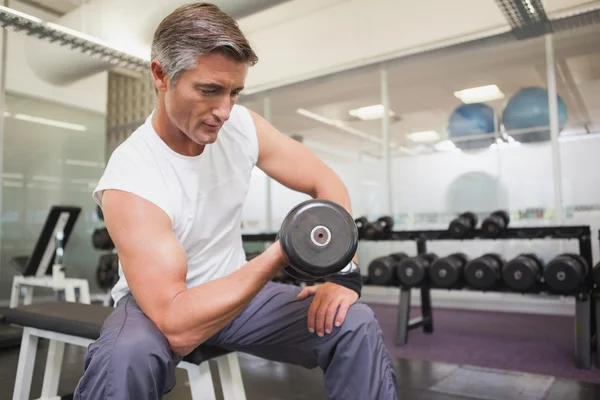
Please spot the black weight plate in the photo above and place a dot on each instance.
(319, 237)
(503, 215)
(564, 274)
(446, 272)
(411, 271)
(297, 275)
(381, 270)
(596, 274)
(492, 226)
(387, 223)
(482, 273)
(399, 256)
(521, 273)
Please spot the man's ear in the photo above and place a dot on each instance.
(160, 78)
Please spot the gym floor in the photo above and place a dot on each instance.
(265, 380)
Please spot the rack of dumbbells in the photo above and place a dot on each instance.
(566, 275)
(107, 272)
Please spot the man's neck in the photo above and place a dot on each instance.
(173, 137)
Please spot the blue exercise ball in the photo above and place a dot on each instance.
(469, 120)
(528, 109)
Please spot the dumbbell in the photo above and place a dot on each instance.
(522, 272)
(101, 240)
(494, 225)
(447, 272)
(483, 273)
(382, 270)
(318, 238)
(379, 229)
(462, 225)
(566, 272)
(596, 274)
(361, 223)
(107, 272)
(412, 271)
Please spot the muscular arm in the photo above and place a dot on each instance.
(155, 265)
(296, 167)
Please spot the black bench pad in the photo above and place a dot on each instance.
(83, 320)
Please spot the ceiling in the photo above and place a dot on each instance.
(235, 8)
(421, 89)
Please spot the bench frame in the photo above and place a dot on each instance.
(199, 376)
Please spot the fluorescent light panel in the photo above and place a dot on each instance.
(370, 112)
(479, 94)
(50, 122)
(424, 136)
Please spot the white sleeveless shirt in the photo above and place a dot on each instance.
(203, 196)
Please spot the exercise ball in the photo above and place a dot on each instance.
(469, 120)
(528, 109)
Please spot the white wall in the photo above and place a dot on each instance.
(89, 93)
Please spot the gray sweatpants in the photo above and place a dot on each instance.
(132, 358)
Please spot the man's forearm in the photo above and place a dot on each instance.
(197, 314)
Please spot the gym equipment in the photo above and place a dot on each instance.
(80, 324)
(379, 229)
(447, 272)
(107, 273)
(382, 270)
(319, 238)
(596, 274)
(484, 272)
(101, 239)
(566, 272)
(99, 213)
(360, 225)
(523, 272)
(471, 120)
(463, 225)
(494, 225)
(412, 271)
(528, 109)
(44, 267)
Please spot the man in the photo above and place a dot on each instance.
(172, 196)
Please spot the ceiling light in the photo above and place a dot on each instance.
(370, 113)
(50, 122)
(424, 136)
(479, 94)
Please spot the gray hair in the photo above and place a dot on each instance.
(193, 30)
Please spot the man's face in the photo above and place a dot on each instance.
(202, 99)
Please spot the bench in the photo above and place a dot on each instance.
(80, 324)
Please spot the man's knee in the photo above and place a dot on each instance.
(360, 319)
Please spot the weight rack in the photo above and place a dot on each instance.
(584, 307)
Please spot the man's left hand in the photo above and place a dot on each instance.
(329, 297)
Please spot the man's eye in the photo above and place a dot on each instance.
(208, 92)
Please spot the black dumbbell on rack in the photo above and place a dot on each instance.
(379, 229)
(566, 272)
(463, 225)
(382, 270)
(447, 272)
(484, 273)
(361, 223)
(495, 225)
(413, 271)
(523, 272)
(596, 274)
